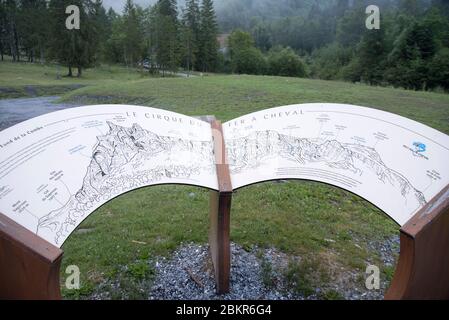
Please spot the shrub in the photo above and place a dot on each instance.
(285, 62)
(249, 61)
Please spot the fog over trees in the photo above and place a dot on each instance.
(331, 37)
(325, 39)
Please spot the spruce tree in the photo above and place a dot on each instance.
(33, 28)
(187, 44)
(133, 36)
(72, 48)
(208, 41)
(168, 8)
(167, 38)
(102, 27)
(371, 53)
(3, 34)
(11, 25)
(190, 33)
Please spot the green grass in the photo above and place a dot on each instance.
(33, 79)
(135, 227)
(303, 275)
(228, 97)
(298, 218)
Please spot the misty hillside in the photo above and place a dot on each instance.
(233, 14)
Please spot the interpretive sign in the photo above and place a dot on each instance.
(395, 163)
(56, 169)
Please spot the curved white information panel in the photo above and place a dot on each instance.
(58, 168)
(395, 163)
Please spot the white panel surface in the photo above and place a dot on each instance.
(395, 163)
(58, 168)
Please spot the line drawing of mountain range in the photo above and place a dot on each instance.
(251, 151)
(125, 159)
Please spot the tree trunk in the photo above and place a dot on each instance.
(42, 55)
(16, 41)
(189, 57)
(70, 74)
(12, 48)
(125, 57)
(13, 52)
(80, 71)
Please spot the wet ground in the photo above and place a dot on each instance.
(13, 111)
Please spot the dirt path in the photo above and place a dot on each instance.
(13, 111)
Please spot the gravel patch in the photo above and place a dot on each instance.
(188, 275)
(256, 274)
(388, 250)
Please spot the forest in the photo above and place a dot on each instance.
(298, 38)
(410, 50)
(159, 36)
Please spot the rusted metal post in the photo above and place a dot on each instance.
(423, 268)
(220, 211)
(29, 265)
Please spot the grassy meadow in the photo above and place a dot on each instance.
(329, 228)
(18, 80)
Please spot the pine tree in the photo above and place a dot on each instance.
(192, 16)
(62, 42)
(351, 26)
(208, 44)
(169, 8)
(410, 58)
(100, 23)
(132, 32)
(188, 44)
(33, 28)
(151, 31)
(3, 34)
(167, 38)
(190, 33)
(439, 70)
(371, 53)
(72, 48)
(11, 16)
(113, 51)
